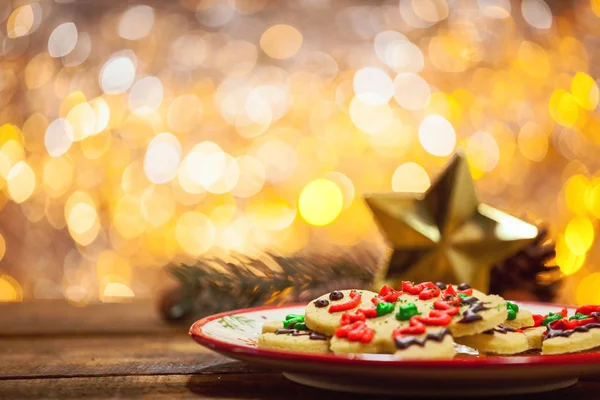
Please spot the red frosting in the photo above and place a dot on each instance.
(356, 332)
(349, 305)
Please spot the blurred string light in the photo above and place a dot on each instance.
(161, 134)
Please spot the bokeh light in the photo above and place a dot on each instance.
(437, 135)
(157, 135)
(281, 41)
(117, 75)
(410, 177)
(320, 202)
(136, 22)
(62, 40)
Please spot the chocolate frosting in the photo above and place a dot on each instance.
(336, 295)
(463, 286)
(500, 329)
(404, 342)
(296, 332)
(551, 333)
(470, 315)
(470, 300)
(321, 303)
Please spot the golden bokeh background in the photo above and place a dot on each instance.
(133, 136)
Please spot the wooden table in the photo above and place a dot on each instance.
(53, 350)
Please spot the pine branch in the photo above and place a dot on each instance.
(215, 284)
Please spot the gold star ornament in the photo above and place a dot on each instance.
(445, 234)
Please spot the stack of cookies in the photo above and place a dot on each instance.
(426, 321)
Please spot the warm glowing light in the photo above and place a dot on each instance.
(195, 233)
(2, 247)
(58, 176)
(136, 23)
(448, 54)
(411, 91)
(162, 158)
(585, 90)
(533, 142)
(278, 158)
(188, 52)
(146, 95)
(112, 266)
(251, 177)
(21, 182)
(568, 262)
(24, 20)
(215, 13)
(410, 177)
(39, 71)
(537, 13)
(116, 292)
(59, 137)
(185, 113)
(62, 40)
(117, 75)
(158, 205)
(281, 41)
(397, 52)
(80, 52)
(345, 185)
(437, 135)
(10, 290)
(368, 117)
(498, 9)
(82, 120)
(128, 218)
(268, 210)
(82, 218)
(205, 164)
(533, 59)
(575, 193)
(320, 202)
(579, 235)
(587, 290)
(483, 151)
(373, 85)
(228, 178)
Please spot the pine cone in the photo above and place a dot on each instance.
(526, 275)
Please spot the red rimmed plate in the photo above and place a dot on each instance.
(234, 334)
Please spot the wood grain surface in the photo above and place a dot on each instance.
(51, 350)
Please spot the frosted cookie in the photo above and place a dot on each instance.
(500, 340)
(324, 313)
(271, 326)
(294, 340)
(517, 317)
(578, 333)
(479, 313)
(369, 330)
(463, 310)
(535, 332)
(436, 343)
(534, 336)
(292, 334)
(373, 335)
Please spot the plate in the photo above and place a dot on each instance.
(234, 334)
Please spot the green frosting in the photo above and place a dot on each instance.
(462, 295)
(383, 308)
(294, 321)
(551, 318)
(406, 311)
(579, 316)
(512, 309)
